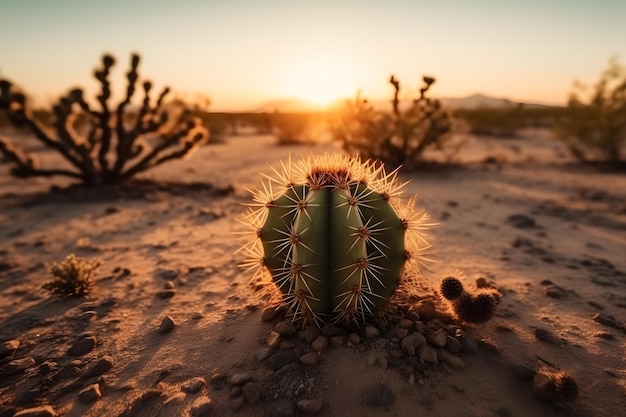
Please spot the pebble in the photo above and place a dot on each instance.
(453, 345)
(167, 325)
(273, 339)
(167, 274)
(90, 394)
(309, 359)
(426, 309)
(264, 353)
(337, 340)
(18, 366)
(284, 328)
(521, 221)
(354, 338)
(84, 344)
(196, 315)
(452, 360)
(169, 285)
(413, 316)
(371, 332)
(282, 358)
(240, 379)
(103, 365)
(312, 406)
(411, 343)
(269, 314)
(438, 338)
(166, 294)
(218, 381)
(320, 343)
(43, 411)
(193, 385)
(554, 291)
(202, 407)
(251, 392)
(427, 354)
(8, 347)
(310, 334)
(405, 324)
(329, 330)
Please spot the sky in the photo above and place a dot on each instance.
(244, 53)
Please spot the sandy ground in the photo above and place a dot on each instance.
(550, 235)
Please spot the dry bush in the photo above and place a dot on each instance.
(397, 137)
(292, 128)
(73, 277)
(108, 145)
(594, 123)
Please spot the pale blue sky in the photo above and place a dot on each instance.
(241, 53)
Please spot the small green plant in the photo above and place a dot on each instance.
(594, 124)
(73, 277)
(331, 239)
(470, 308)
(107, 145)
(399, 137)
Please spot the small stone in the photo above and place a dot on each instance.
(218, 381)
(405, 324)
(273, 339)
(309, 359)
(320, 343)
(482, 283)
(193, 385)
(284, 328)
(90, 394)
(167, 274)
(264, 353)
(452, 360)
(43, 411)
(202, 407)
(240, 379)
(312, 406)
(381, 359)
(18, 366)
(167, 325)
(453, 345)
(400, 333)
(310, 334)
(196, 315)
(371, 359)
(411, 343)
(287, 344)
(554, 291)
(371, 332)
(413, 316)
(166, 294)
(380, 396)
(251, 392)
(282, 358)
(438, 338)
(169, 285)
(427, 354)
(354, 338)
(8, 347)
(82, 345)
(521, 221)
(269, 314)
(103, 365)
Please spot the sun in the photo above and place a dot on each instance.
(318, 80)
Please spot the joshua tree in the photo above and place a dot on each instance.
(114, 146)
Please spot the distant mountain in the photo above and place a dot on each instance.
(476, 101)
(287, 105)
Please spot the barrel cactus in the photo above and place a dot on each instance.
(332, 237)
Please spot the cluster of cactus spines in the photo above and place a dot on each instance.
(331, 238)
(113, 149)
(554, 385)
(477, 307)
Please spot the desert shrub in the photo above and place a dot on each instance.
(292, 128)
(397, 137)
(73, 277)
(108, 145)
(594, 123)
(490, 121)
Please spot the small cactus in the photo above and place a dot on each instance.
(333, 240)
(470, 308)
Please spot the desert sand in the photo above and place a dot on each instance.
(514, 214)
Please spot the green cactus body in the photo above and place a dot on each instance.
(333, 244)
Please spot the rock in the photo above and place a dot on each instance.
(196, 315)
(84, 344)
(166, 274)
(546, 336)
(320, 343)
(280, 359)
(284, 328)
(287, 344)
(167, 325)
(426, 309)
(337, 340)
(202, 407)
(18, 366)
(452, 360)
(521, 221)
(411, 343)
(251, 392)
(169, 285)
(273, 339)
(193, 385)
(312, 406)
(608, 320)
(329, 330)
(438, 338)
(269, 314)
(43, 411)
(103, 365)
(240, 379)
(310, 334)
(413, 316)
(427, 354)
(8, 347)
(554, 291)
(166, 294)
(379, 396)
(309, 359)
(371, 332)
(354, 338)
(218, 381)
(282, 408)
(453, 345)
(90, 394)
(264, 353)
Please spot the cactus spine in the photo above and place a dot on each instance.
(333, 240)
